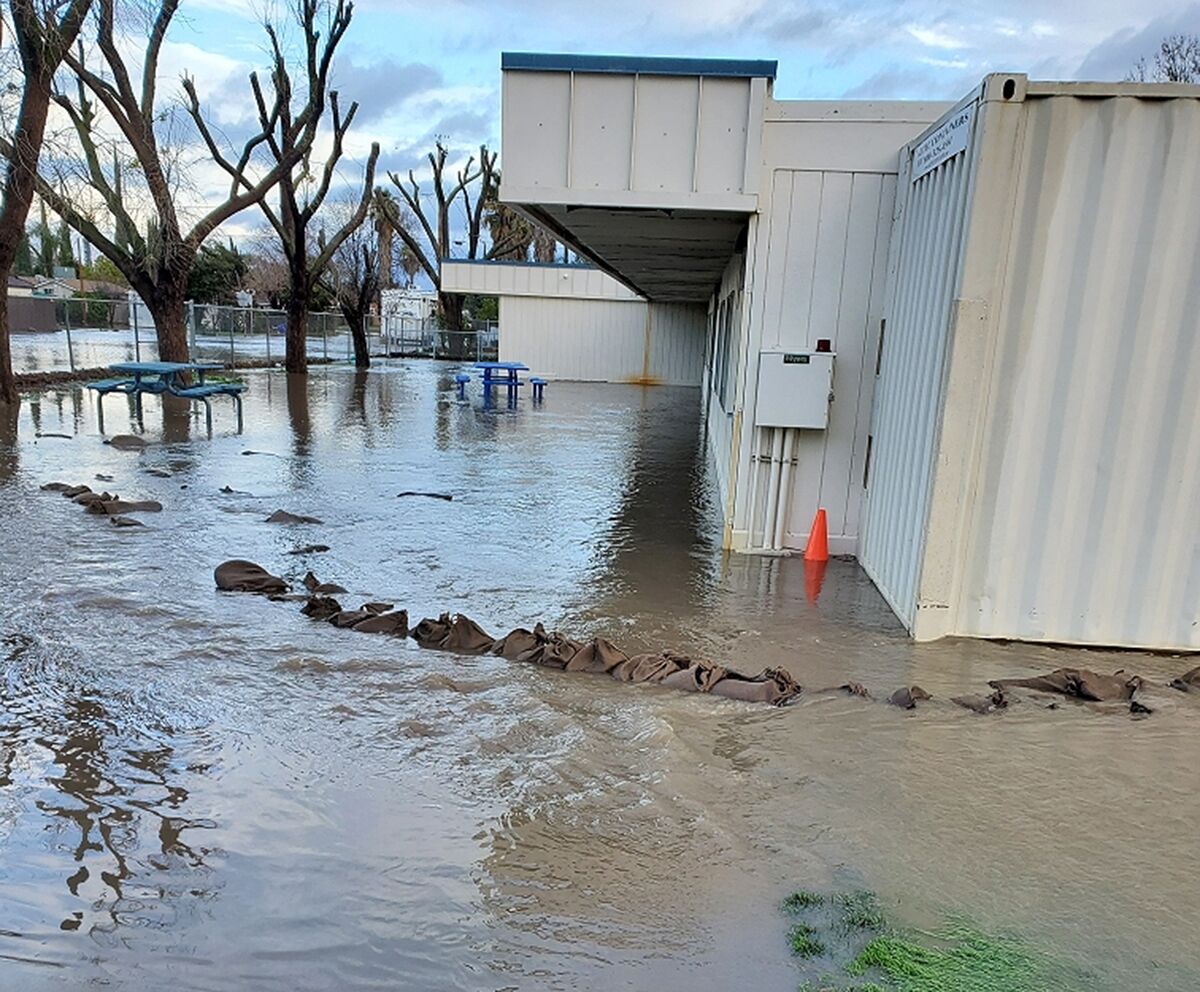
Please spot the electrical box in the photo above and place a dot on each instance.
(794, 389)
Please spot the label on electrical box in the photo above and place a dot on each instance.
(946, 142)
(796, 359)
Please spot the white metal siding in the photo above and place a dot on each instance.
(1086, 518)
(603, 340)
(826, 266)
(926, 262)
(523, 279)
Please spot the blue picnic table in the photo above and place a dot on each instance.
(506, 374)
(166, 377)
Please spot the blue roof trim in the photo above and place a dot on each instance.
(644, 64)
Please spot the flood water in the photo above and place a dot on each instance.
(209, 791)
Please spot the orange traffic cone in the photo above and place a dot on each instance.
(817, 548)
(814, 577)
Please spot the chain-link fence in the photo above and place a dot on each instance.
(95, 333)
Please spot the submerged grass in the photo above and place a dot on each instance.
(801, 900)
(804, 942)
(967, 961)
(859, 911)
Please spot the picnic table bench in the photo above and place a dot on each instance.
(165, 377)
(506, 374)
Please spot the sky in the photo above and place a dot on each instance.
(420, 69)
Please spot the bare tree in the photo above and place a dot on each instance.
(431, 242)
(1176, 61)
(355, 277)
(156, 258)
(44, 32)
(289, 142)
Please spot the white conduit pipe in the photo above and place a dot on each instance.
(773, 487)
(785, 492)
(754, 474)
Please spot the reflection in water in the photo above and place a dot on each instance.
(210, 785)
(10, 452)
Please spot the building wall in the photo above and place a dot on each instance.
(1065, 461)
(604, 340)
(578, 282)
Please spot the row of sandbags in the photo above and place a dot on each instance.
(462, 635)
(104, 503)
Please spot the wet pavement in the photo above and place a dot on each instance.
(208, 791)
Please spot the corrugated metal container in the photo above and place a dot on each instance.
(1036, 441)
(604, 340)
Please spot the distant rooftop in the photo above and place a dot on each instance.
(642, 64)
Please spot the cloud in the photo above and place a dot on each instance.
(933, 38)
(1115, 57)
(379, 87)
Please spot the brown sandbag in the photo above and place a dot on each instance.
(649, 667)
(699, 676)
(377, 607)
(393, 622)
(1078, 683)
(128, 442)
(348, 618)
(88, 498)
(551, 650)
(430, 633)
(317, 587)
(467, 637)
(599, 655)
(1187, 681)
(72, 491)
(515, 643)
(321, 607)
(309, 549)
(119, 521)
(283, 517)
(56, 487)
(113, 507)
(997, 700)
(906, 697)
(239, 575)
(772, 685)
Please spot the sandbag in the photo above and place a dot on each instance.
(72, 491)
(772, 685)
(467, 637)
(515, 643)
(599, 655)
(393, 622)
(88, 498)
(649, 667)
(317, 587)
(997, 700)
(321, 607)
(283, 517)
(113, 507)
(119, 521)
(551, 650)
(431, 633)
(1078, 683)
(56, 487)
(699, 676)
(128, 442)
(906, 697)
(348, 618)
(239, 575)
(1187, 681)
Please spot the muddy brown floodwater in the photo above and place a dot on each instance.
(207, 791)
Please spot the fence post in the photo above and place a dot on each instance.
(137, 344)
(232, 355)
(325, 340)
(267, 335)
(67, 321)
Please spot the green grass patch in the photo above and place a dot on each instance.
(801, 900)
(803, 941)
(964, 960)
(859, 911)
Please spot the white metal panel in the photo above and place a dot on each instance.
(1084, 524)
(532, 279)
(604, 340)
(664, 139)
(602, 131)
(724, 126)
(926, 260)
(535, 130)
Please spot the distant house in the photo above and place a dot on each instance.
(20, 286)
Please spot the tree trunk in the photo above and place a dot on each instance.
(8, 383)
(451, 307)
(19, 181)
(165, 303)
(296, 357)
(358, 331)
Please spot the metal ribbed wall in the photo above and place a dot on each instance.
(603, 340)
(926, 258)
(1086, 520)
